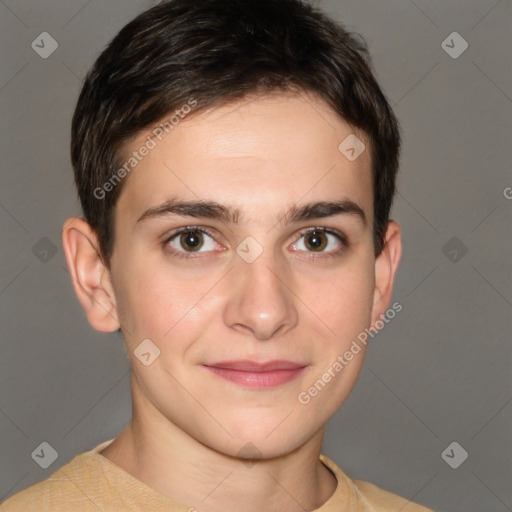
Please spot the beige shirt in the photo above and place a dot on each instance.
(92, 483)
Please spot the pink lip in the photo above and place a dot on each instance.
(257, 375)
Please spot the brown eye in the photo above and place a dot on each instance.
(192, 240)
(324, 242)
(316, 241)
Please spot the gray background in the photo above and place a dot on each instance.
(438, 373)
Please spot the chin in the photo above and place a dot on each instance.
(253, 441)
(257, 449)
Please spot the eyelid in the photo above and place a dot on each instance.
(202, 229)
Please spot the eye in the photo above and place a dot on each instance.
(191, 240)
(320, 240)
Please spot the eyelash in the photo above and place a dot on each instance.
(312, 256)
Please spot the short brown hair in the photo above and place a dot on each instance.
(216, 51)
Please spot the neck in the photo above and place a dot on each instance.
(169, 460)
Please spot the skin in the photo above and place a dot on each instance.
(294, 302)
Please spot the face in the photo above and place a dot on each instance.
(244, 253)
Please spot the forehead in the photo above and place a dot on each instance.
(260, 153)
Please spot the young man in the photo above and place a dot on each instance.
(236, 162)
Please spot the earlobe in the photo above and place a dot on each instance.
(90, 276)
(386, 265)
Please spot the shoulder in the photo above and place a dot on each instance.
(54, 493)
(364, 496)
(66, 489)
(376, 498)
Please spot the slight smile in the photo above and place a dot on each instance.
(257, 375)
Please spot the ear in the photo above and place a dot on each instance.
(91, 278)
(386, 265)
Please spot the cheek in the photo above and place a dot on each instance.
(343, 304)
(150, 304)
(162, 306)
(344, 301)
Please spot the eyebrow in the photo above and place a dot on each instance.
(225, 214)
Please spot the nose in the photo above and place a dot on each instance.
(261, 299)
